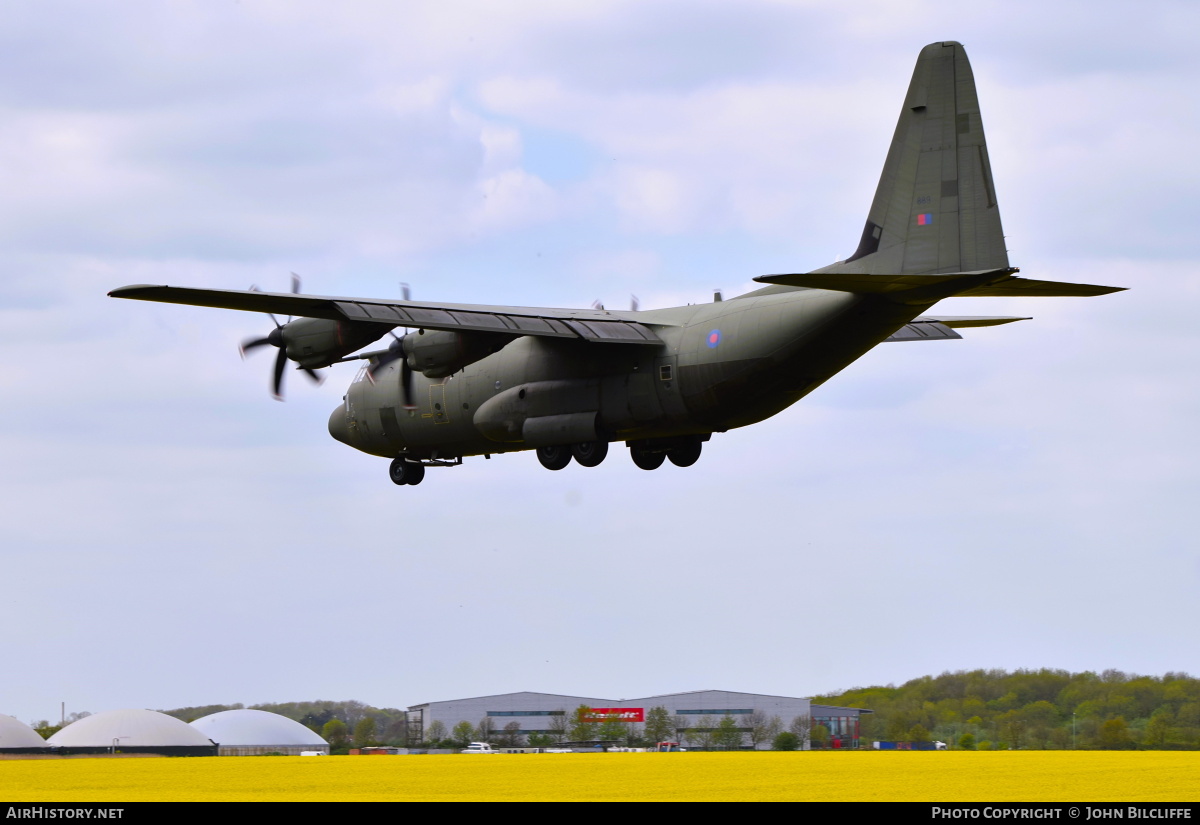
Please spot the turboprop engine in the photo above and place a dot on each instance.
(313, 343)
(436, 354)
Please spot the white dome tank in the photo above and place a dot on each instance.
(129, 729)
(15, 734)
(255, 727)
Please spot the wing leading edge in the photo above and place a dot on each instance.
(598, 326)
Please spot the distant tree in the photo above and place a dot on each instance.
(364, 732)
(682, 724)
(190, 714)
(582, 728)
(396, 733)
(1114, 734)
(461, 734)
(485, 731)
(1159, 729)
(511, 737)
(336, 734)
(785, 741)
(819, 736)
(917, 733)
(634, 737)
(967, 741)
(801, 728)
(352, 711)
(727, 736)
(436, 731)
(1012, 727)
(45, 729)
(560, 725)
(316, 720)
(612, 730)
(659, 727)
(763, 728)
(701, 736)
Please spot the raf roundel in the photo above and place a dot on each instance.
(714, 338)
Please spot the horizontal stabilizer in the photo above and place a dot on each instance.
(964, 321)
(1022, 287)
(921, 288)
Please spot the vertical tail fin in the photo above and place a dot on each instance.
(935, 209)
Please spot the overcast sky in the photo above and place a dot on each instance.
(1022, 498)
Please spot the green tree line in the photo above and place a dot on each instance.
(1033, 709)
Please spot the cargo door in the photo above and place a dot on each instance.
(666, 381)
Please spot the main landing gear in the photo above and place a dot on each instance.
(683, 451)
(404, 471)
(588, 454)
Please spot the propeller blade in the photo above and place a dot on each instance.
(633, 303)
(313, 374)
(405, 292)
(277, 383)
(295, 289)
(395, 351)
(406, 380)
(597, 304)
(252, 343)
(274, 320)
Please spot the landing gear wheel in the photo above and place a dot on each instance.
(590, 453)
(554, 458)
(686, 454)
(406, 472)
(645, 459)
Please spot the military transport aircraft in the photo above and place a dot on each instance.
(468, 380)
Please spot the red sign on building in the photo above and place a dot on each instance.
(620, 714)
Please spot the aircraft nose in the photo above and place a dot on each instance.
(338, 427)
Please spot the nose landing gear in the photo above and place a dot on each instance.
(403, 471)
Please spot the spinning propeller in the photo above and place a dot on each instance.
(395, 352)
(278, 339)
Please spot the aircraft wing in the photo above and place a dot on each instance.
(596, 325)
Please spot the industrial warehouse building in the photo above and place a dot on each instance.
(248, 732)
(535, 712)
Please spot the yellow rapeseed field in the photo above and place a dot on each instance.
(932, 776)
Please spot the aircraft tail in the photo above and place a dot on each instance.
(935, 208)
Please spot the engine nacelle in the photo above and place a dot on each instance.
(438, 353)
(316, 342)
